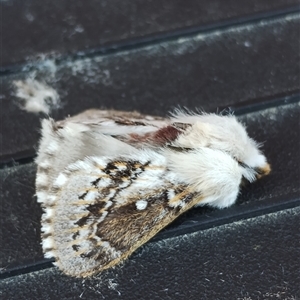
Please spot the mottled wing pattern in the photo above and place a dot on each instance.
(99, 210)
(102, 196)
(132, 128)
(94, 133)
(109, 181)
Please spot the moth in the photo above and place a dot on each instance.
(108, 181)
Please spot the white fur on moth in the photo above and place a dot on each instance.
(109, 181)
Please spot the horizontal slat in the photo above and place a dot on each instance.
(250, 259)
(31, 28)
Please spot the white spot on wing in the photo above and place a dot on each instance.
(49, 213)
(141, 204)
(41, 197)
(49, 254)
(41, 179)
(60, 180)
(46, 229)
(48, 243)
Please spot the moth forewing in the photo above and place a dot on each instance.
(97, 220)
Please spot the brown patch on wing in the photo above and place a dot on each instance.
(126, 227)
(158, 138)
(166, 134)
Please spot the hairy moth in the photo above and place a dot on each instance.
(108, 181)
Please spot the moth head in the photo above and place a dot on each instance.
(227, 134)
(253, 163)
(243, 149)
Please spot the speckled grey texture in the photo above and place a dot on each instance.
(31, 28)
(233, 261)
(20, 216)
(213, 70)
(279, 132)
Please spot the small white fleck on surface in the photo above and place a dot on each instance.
(247, 44)
(37, 97)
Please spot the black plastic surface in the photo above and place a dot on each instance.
(140, 55)
(33, 28)
(251, 259)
